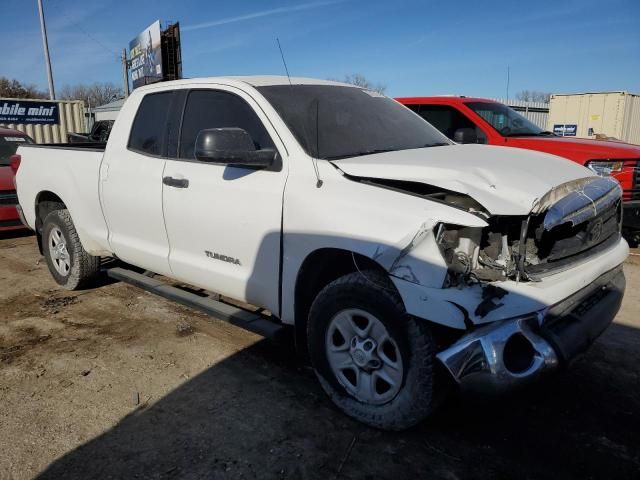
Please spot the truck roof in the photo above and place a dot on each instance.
(253, 80)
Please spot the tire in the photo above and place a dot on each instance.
(69, 263)
(403, 402)
(632, 237)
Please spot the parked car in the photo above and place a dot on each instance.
(9, 141)
(388, 247)
(99, 133)
(477, 120)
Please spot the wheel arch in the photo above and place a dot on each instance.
(319, 268)
(45, 203)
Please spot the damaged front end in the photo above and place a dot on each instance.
(494, 264)
(507, 353)
(567, 225)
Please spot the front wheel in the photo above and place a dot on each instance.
(374, 360)
(69, 263)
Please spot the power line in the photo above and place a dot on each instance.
(111, 50)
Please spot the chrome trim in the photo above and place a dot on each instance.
(479, 356)
(586, 200)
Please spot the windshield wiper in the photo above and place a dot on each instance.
(383, 150)
(360, 154)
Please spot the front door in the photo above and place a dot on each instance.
(223, 222)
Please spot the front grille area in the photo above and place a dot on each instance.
(629, 178)
(581, 224)
(566, 240)
(635, 190)
(567, 244)
(8, 197)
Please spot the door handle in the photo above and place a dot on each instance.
(176, 182)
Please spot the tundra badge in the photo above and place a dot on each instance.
(224, 258)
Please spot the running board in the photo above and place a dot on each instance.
(254, 322)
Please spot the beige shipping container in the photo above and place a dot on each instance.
(611, 114)
(71, 119)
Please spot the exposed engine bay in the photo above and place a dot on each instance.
(569, 223)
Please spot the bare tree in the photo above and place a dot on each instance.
(94, 95)
(361, 81)
(12, 88)
(533, 96)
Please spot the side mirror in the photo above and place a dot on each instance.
(465, 135)
(231, 146)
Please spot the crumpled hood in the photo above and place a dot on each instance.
(505, 181)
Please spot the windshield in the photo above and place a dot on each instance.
(332, 122)
(505, 120)
(8, 146)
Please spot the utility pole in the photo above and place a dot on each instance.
(45, 45)
(125, 72)
(508, 83)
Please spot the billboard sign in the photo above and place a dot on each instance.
(565, 129)
(145, 54)
(19, 111)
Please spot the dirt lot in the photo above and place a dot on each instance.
(116, 383)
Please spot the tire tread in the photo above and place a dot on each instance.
(85, 267)
(418, 397)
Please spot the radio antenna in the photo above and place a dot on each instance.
(283, 61)
(315, 158)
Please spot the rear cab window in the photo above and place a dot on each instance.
(155, 128)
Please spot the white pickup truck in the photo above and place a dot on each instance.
(400, 257)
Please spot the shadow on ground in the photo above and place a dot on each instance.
(259, 415)
(10, 234)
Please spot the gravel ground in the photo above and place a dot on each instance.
(116, 383)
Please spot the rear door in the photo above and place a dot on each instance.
(131, 184)
(224, 222)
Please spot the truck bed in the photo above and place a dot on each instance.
(84, 146)
(71, 173)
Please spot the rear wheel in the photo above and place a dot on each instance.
(69, 263)
(374, 360)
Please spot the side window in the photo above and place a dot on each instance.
(448, 119)
(100, 132)
(216, 109)
(150, 127)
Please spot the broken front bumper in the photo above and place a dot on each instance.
(509, 352)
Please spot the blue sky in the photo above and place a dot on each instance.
(413, 47)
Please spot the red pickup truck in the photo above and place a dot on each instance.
(9, 142)
(477, 120)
